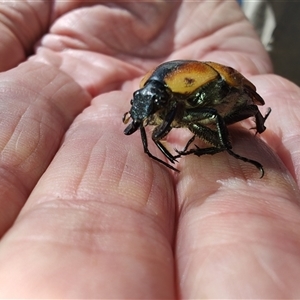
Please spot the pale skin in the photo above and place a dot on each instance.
(84, 213)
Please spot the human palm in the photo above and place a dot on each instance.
(85, 213)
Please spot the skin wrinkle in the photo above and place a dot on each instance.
(148, 37)
(81, 180)
(70, 28)
(56, 106)
(170, 232)
(34, 144)
(209, 253)
(278, 142)
(150, 190)
(87, 62)
(128, 192)
(238, 195)
(43, 101)
(13, 20)
(146, 194)
(266, 210)
(270, 273)
(9, 179)
(292, 168)
(102, 167)
(103, 173)
(85, 171)
(140, 13)
(37, 17)
(157, 39)
(49, 126)
(219, 26)
(84, 238)
(9, 140)
(287, 247)
(149, 194)
(185, 182)
(181, 28)
(124, 173)
(189, 265)
(9, 25)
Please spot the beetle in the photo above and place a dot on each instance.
(204, 97)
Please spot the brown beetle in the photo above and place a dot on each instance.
(204, 97)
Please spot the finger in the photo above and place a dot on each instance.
(37, 104)
(219, 31)
(21, 25)
(283, 97)
(99, 224)
(97, 28)
(94, 72)
(236, 234)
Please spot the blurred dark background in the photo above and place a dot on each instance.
(278, 23)
(286, 40)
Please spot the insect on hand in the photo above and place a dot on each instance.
(204, 97)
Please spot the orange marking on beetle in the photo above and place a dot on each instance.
(190, 76)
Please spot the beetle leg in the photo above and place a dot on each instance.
(245, 159)
(165, 152)
(146, 150)
(161, 131)
(242, 114)
(197, 122)
(211, 136)
(222, 140)
(219, 139)
(184, 151)
(246, 112)
(202, 151)
(214, 150)
(251, 161)
(260, 121)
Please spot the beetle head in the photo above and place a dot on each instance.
(146, 101)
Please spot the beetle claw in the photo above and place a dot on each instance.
(179, 153)
(174, 159)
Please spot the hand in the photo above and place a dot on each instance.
(84, 213)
